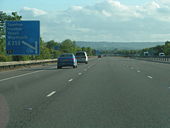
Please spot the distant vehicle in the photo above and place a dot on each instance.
(137, 55)
(146, 53)
(99, 56)
(82, 57)
(161, 54)
(67, 59)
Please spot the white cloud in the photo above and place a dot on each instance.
(106, 13)
(118, 5)
(77, 8)
(153, 5)
(109, 20)
(33, 11)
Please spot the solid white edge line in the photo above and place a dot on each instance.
(23, 74)
(20, 75)
(50, 94)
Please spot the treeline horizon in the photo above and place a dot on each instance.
(153, 51)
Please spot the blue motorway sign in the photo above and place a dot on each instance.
(22, 37)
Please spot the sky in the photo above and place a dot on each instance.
(56, 4)
(97, 20)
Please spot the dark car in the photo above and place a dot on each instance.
(67, 59)
(99, 56)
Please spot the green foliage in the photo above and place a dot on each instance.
(13, 16)
(3, 58)
(2, 46)
(5, 17)
(20, 58)
(167, 43)
(88, 50)
(166, 48)
(68, 46)
(51, 44)
(45, 53)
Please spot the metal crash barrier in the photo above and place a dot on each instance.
(17, 64)
(154, 59)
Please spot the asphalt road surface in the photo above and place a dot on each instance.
(111, 92)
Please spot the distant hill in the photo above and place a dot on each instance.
(118, 45)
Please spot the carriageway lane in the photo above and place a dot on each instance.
(109, 95)
(20, 94)
(160, 72)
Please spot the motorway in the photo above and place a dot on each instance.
(111, 92)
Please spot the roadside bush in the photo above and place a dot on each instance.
(3, 58)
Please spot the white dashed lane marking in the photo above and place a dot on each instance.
(70, 80)
(29, 109)
(79, 73)
(50, 94)
(150, 77)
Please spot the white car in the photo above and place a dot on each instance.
(82, 57)
(161, 54)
